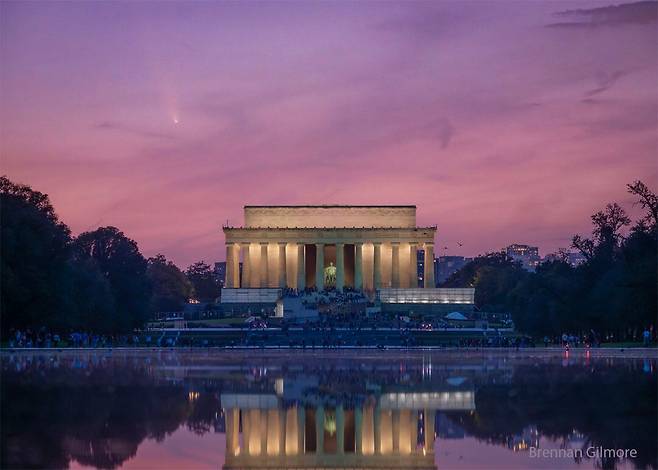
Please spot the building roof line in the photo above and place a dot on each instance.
(431, 227)
(329, 206)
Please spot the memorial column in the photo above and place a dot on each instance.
(377, 266)
(246, 266)
(428, 277)
(413, 265)
(395, 264)
(340, 266)
(358, 266)
(232, 268)
(340, 429)
(282, 265)
(377, 418)
(232, 421)
(263, 265)
(428, 423)
(301, 267)
(319, 430)
(414, 430)
(358, 431)
(319, 266)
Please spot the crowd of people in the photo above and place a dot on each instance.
(42, 338)
(329, 331)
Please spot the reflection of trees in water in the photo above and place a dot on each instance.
(96, 417)
(613, 407)
(98, 412)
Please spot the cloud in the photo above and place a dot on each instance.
(114, 126)
(612, 15)
(606, 80)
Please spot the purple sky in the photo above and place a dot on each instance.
(502, 121)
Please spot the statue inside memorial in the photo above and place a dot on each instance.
(330, 275)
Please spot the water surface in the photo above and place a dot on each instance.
(272, 409)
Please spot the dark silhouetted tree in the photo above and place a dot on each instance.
(35, 251)
(171, 288)
(202, 277)
(120, 262)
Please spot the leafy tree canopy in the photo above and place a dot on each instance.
(202, 277)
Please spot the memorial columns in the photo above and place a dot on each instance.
(358, 265)
(377, 266)
(428, 277)
(368, 431)
(246, 430)
(377, 419)
(263, 265)
(319, 266)
(301, 267)
(282, 431)
(413, 265)
(292, 432)
(232, 266)
(301, 429)
(340, 429)
(404, 432)
(246, 265)
(428, 422)
(358, 431)
(232, 420)
(414, 430)
(228, 281)
(340, 266)
(263, 431)
(395, 431)
(395, 264)
(282, 265)
(319, 430)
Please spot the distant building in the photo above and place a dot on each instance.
(527, 255)
(573, 258)
(448, 265)
(420, 258)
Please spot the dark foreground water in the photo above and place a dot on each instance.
(264, 409)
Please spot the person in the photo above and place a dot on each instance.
(565, 340)
(646, 336)
(545, 341)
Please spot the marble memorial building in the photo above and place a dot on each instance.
(364, 247)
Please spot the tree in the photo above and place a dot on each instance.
(171, 288)
(647, 199)
(90, 304)
(608, 223)
(493, 276)
(202, 277)
(120, 262)
(35, 249)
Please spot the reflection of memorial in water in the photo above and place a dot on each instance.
(388, 430)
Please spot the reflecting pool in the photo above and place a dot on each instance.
(328, 409)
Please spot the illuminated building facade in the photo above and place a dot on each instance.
(362, 247)
(527, 255)
(395, 430)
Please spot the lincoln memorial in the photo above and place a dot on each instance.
(363, 247)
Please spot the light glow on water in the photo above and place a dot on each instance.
(489, 409)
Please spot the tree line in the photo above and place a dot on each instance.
(98, 281)
(615, 291)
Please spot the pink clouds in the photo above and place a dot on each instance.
(499, 128)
